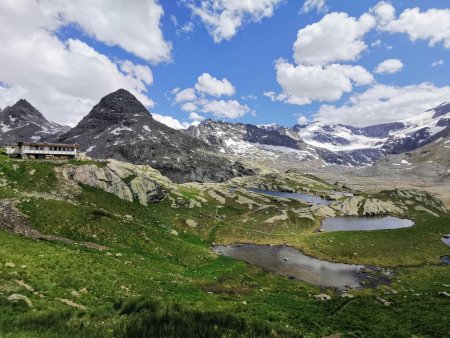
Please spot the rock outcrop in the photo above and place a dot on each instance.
(374, 207)
(122, 181)
(349, 206)
(358, 205)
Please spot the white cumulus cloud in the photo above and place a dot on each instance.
(432, 25)
(389, 66)
(304, 84)
(63, 79)
(384, 104)
(316, 74)
(171, 121)
(337, 37)
(189, 107)
(203, 97)
(302, 119)
(214, 87)
(184, 95)
(136, 29)
(196, 117)
(223, 18)
(225, 108)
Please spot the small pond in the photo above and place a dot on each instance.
(287, 261)
(446, 239)
(304, 197)
(365, 223)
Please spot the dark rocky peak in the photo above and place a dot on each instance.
(268, 136)
(120, 102)
(119, 107)
(23, 111)
(441, 110)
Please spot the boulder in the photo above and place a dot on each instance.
(17, 298)
(322, 297)
(191, 223)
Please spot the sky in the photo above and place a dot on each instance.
(248, 61)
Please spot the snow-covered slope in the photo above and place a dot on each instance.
(392, 138)
(339, 137)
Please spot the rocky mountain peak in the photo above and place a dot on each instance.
(23, 110)
(120, 102)
(23, 122)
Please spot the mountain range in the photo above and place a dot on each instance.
(120, 127)
(332, 144)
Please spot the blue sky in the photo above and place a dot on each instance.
(246, 58)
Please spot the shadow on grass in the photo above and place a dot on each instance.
(149, 318)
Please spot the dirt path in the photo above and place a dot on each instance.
(12, 219)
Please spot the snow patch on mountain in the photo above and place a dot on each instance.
(337, 138)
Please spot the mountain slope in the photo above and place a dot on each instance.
(429, 163)
(120, 127)
(23, 122)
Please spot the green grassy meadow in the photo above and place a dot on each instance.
(151, 282)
